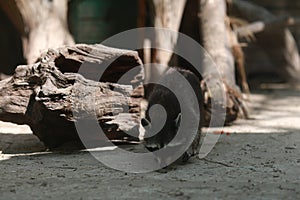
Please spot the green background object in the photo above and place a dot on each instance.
(92, 21)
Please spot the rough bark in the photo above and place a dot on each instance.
(283, 53)
(50, 96)
(41, 23)
(165, 14)
(216, 41)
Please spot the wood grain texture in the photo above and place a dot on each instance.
(50, 95)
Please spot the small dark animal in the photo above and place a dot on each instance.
(163, 96)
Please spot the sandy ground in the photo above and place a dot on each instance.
(258, 159)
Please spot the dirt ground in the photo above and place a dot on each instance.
(258, 159)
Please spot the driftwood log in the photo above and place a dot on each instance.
(49, 95)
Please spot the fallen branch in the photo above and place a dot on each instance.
(259, 26)
(284, 52)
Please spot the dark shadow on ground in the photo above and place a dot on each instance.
(20, 143)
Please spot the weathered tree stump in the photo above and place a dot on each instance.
(53, 94)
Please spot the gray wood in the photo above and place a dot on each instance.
(50, 96)
(42, 24)
(165, 14)
(217, 41)
(259, 26)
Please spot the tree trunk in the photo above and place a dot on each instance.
(165, 14)
(41, 23)
(50, 101)
(216, 38)
(216, 41)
